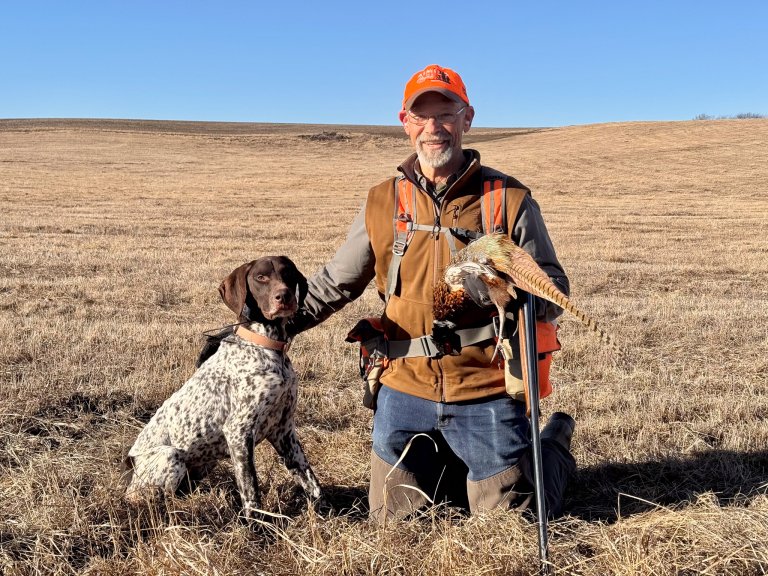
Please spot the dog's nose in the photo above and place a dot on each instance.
(282, 296)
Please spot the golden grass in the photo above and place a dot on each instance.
(114, 236)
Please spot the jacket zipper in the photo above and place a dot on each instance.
(438, 208)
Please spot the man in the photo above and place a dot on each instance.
(454, 406)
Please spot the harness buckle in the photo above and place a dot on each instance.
(401, 236)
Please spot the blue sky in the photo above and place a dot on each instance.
(535, 63)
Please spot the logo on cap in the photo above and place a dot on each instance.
(433, 73)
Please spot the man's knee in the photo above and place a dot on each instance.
(394, 493)
(514, 487)
(509, 488)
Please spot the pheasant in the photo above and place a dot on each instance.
(502, 266)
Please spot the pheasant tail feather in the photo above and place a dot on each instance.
(506, 257)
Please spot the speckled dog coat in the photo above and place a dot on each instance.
(244, 393)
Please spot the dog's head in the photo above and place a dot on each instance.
(264, 290)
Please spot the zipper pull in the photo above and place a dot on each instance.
(436, 227)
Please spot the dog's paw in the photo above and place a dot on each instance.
(252, 509)
(142, 495)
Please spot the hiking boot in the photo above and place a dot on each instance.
(560, 429)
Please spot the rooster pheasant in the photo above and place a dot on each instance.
(502, 266)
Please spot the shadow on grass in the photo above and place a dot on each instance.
(610, 491)
(349, 501)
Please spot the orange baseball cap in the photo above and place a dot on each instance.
(435, 78)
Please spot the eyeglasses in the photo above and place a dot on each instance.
(445, 118)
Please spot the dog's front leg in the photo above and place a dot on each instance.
(287, 445)
(240, 442)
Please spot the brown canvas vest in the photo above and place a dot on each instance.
(413, 239)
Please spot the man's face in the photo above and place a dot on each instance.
(437, 143)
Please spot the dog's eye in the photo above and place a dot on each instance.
(262, 278)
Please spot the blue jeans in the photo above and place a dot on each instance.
(485, 436)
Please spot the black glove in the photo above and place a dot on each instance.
(478, 291)
(445, 337)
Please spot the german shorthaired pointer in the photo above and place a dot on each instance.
(242, 394)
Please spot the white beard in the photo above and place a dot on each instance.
(434, 160)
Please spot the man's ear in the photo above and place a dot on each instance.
(403, 115)
(469, 115)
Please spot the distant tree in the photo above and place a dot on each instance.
(742, 116)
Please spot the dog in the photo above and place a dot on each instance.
(245, 392)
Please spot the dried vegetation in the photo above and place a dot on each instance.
(115, 235)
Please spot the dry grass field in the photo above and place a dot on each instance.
(114, 236)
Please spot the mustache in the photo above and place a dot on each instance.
(434, 139)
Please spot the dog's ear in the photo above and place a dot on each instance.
(234, 288)
(302, 287)
(294, 273)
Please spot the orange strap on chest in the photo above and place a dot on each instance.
(494, 206)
